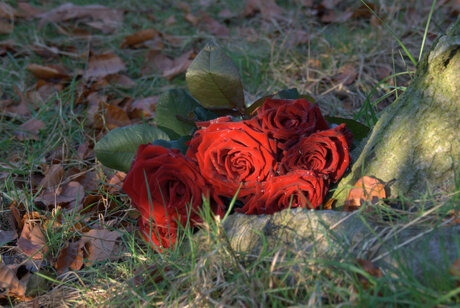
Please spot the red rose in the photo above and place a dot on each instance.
(324, 152)
(166, 187)
(230, 153)
(286, 120)
(297, 188)
(161, 237)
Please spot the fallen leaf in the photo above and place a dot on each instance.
(7, 16)
(98, 244)
(10, 282)
(174, 41)
(53, 176)
(29, 130)
(328, 205)
(171, 20)
(100, 17)
(347, 75)
(152, 272)
(44, 90)
(454, 270)
(169, 67)
(213, 26)
(32, 241)
(114, 116)
(47, 72)
(121, 80)
(7, 236)
(179, 65)
(7, 46)
(369, 268)
(143, 107)
(139, 37)
(115, 182)
(70, 257)
(226, 14)
(7, 11)
(100, 66)
(363, 11)
(333, 16)
(68, 196)
(268, 9)
(366, 189)
(28, 11)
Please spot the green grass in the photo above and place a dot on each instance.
(208, 272)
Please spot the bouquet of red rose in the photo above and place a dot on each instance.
(280, 153)
(285, 156)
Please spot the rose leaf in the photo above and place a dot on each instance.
(179, 144)
(175, 111)
(213, 79)
(117, 149)
(359, 131)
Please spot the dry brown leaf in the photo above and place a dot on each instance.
(143, 107)
(43, 91)
(153, 273)
(213, 26)
(179, 65)
(29, 129)
(7, 16)
(171, 20)
(100, 17)
(98, 244)
(70, 257)
(188, 16)
(369, 268)
(363, 11)
(32, 241)
(114, 116)
(268, 9)
(226, 14)
(10, 282)
(48, 71)
(121, 80)
(7, 11)
(336, 16)
(53, 176)
(174, 41)
(100, 66)
(89, 180)
(7, 46)
(68, 196)
(7, 236)
(366, 189)
(193, 20)
(139, 37)
(347, 75)
(454, 270)
(115, 182)
(329, 204)
(28, 11)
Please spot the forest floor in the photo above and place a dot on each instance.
(69, 73)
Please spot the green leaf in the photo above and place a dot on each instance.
(213, 79)
(358, 130)
(203, 114)
(257, 103)
(287, 94)
(117, 149)
(174, 144)
(174, 110)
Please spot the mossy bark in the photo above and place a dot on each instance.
(417, 139)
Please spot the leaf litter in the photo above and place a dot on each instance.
(65, 191)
